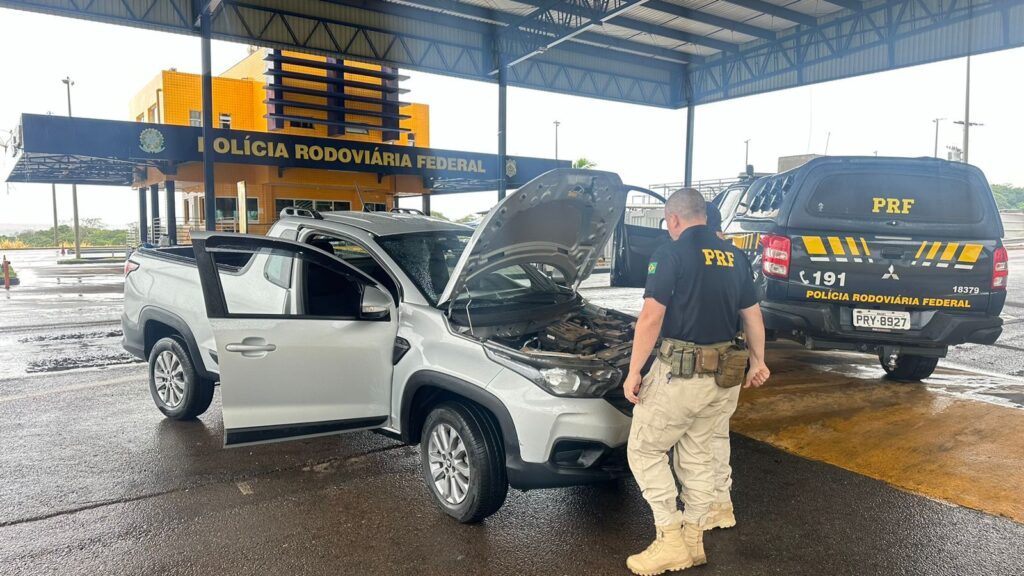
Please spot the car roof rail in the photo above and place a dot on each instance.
(301, 213)
(407, 211)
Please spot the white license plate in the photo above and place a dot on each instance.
(881, 319)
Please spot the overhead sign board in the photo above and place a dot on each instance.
(149, 144)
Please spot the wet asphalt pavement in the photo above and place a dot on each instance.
(97, 482)
(93, 480)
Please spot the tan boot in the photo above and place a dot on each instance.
(721, 516)
(693, 537)
(667, 552)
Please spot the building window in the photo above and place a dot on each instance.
(225, 120)
(362, 131)
(304, 125)
(152, 113)
(318, 205)
(375, 207)
(412, 138)
(227, 209)
(195, 118)
(140, 118)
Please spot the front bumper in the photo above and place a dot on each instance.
(572, 463)
(562, 441)
(830, 326)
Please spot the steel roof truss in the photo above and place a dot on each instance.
(552, 23)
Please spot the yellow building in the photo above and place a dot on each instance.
(294, 94)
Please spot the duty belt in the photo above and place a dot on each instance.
(725, 360)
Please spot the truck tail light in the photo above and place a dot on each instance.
(1000, 269)
(775, 258)
(129, 267)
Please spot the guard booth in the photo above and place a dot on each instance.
(289, 130)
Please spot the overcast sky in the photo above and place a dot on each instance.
(888, 113)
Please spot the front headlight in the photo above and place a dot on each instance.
(560, 375)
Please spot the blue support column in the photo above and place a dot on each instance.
(688, 174)
(154, 211)
(172, 216)
(208, 173)
(502, 110)
(143, 232)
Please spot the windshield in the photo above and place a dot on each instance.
(429, 258)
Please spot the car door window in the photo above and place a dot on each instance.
(729, 202)
(319, 291)
(357, 255)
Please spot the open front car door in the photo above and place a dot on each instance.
(304, 340)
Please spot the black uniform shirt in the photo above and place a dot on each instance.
(704, 282)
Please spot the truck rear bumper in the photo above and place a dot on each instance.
(132, 340)
(831, 326)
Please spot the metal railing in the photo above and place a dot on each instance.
(708, 188)
(156, 231)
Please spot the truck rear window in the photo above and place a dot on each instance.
(880, 197)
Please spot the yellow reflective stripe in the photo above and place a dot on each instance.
(920, 250)
(864, 243)
(837, 246)
(933, 251)
(971, 253)
(950, 250)
(814, 245)
(853, 246)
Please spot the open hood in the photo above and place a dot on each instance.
(562, 218)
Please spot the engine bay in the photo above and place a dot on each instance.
(591, 331)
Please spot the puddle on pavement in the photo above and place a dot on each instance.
(72, 336)
(56, 349)
(68, 363)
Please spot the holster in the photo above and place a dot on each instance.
(732, 366)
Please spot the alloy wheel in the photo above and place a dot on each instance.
(169, 376)
(449, 463)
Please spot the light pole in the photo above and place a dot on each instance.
(936, 121)
(746, 153)
(967, 129)
(967, 104)
(56, 237)
(74, 188)
(557, 124)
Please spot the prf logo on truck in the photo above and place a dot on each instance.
(892, 205)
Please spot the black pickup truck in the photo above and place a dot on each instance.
(893, 256)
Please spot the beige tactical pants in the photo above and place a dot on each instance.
(676, 414)
(721, 450)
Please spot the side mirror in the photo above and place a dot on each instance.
(376, 305)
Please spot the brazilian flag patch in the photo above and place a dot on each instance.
(652, 268)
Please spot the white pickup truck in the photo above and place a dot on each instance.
(474, 344)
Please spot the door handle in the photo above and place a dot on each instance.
(239, 347)
(251, 350)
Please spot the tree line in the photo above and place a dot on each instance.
(92, 232)
(1008, 197)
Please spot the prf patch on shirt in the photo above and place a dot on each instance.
(718, 258)
(652, 268)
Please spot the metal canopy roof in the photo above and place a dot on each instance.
(666, 53)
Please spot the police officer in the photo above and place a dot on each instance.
(699, 288)
(722, 515)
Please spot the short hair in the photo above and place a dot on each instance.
(687, 204)
(714, 218)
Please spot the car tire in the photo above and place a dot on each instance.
(910, 368)
(463, 461)
(177, 390)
